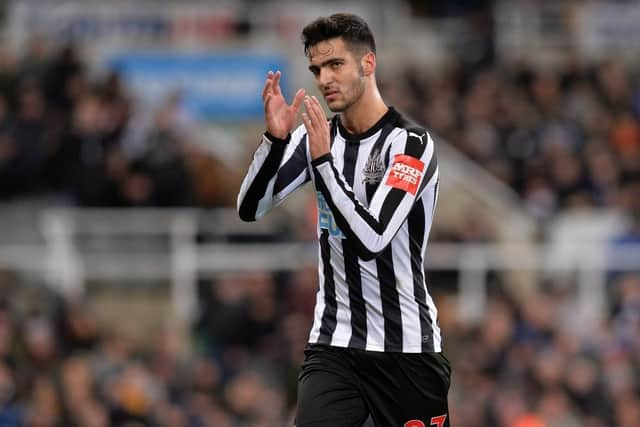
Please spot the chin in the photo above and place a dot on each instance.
(336, 107)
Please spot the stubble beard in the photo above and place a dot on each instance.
(357, 89)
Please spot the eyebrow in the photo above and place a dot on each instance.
(327, 62)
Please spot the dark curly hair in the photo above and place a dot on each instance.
(351, 28)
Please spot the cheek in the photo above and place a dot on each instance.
(355, 83)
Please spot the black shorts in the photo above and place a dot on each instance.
(341, 387)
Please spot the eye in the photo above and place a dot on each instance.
(336, 65)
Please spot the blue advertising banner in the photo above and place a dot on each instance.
(213, 86)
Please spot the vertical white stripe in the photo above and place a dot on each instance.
(373, 304)
(319, 308)
(433, 313)
(342, 333)
(411, 334)
(428, 198)
(337, 151)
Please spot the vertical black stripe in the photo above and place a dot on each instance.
(416, 223)
(333, 131)
(390, 205)
(416, 146)
(374, 155)
(431, 170)
(356, 300)
(435, 199)
(293, 167)
(390, 301)
(328, 324)
(387, 156)
(350, 158)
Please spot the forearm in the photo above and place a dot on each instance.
(255, 196)
(372, 227)
(371, 230)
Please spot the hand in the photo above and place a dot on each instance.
(317, 127)
(278, 115)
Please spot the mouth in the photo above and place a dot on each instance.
(331, 95)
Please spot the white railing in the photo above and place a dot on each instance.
(181, 259)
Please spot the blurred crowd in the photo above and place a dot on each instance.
(522, 365)
(561, 138)
(59, 367)
(526, 364)
(76, 136)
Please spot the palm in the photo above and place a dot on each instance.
(279, 116)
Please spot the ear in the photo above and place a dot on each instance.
(368, 62)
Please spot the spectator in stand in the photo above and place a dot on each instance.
(87, 164)
(31, 134)
(521, 366)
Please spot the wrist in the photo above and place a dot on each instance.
(326, 157)
(278, 138)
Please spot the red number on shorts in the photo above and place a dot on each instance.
(435, 421)
(439, 420)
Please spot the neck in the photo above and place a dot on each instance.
(366, 112)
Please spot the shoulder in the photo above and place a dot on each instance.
(416, 137)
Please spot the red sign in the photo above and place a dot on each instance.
(406, 173)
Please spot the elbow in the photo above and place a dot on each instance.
(246, 214)
(368, 255)
(369, 252)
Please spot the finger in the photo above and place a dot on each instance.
(318, 106)
(309, 110)
(297, 100)
(312, 109)
(307, 123)
(276, 83)
(321, 114)
(268, 84)
(267, 88)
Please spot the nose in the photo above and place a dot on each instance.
(325, 77)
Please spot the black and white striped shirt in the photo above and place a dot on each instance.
(376, 195)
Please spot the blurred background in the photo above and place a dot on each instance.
(131, 295)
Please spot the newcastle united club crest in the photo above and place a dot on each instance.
(374, 169)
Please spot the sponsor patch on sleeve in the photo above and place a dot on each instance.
(406, 173)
